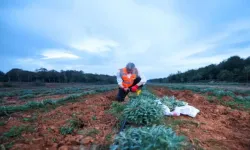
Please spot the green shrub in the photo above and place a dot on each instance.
(220, 93)
(148, 138)
(247, 98)
(17, 131)
(66, 130)
(92, 132)
(75, 122)
(171, 102)
(2, 123)
(143, 111)
(27, 96)
(117, 109)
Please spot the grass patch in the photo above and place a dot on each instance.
(2, 123)
(117, 109)
(54, 140)
(27, 96)
(94, 117)
(66, 130)
(7, 146)
(30, 119)
(174, 123)
(108, 137)
(93, 132)
(89, 132)
(16, 131)
(75, 122)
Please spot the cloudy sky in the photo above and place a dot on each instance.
(100, 36)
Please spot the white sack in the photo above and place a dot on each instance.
(184, 110)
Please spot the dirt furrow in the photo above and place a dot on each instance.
(95, 125)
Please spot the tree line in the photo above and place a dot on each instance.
(53, 76)
(233, 69)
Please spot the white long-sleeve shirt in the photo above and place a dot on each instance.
(119, 78)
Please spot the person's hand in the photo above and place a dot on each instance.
(134, 88)
(125, 89)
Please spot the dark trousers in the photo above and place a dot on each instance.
(122, 94)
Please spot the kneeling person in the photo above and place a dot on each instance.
(129, 79)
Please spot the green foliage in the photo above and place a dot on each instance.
(75, 122)
(108, 137)
(4, 110)
(171, 102)
(66, 130)
(2, 123)
(54, 140)
(143, 110)
(221, 93)
(234, 69)
(148, 138)
(7, 146)
(92, 132)
(16, 131)
(117, 109)
(30, 119)
(27, 96)
(239, 102)
(89, 132)
(42, 75)
(28, 93)
(94, 117)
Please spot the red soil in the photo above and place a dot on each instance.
(91, 111)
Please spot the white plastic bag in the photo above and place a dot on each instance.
(186, 110)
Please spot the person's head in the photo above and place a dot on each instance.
(130, 67)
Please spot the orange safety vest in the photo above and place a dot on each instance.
(127, 82)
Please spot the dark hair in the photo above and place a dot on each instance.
(130, 66)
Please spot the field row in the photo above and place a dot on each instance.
(232, 98)
(98, 121)
(19, 97)
(6, 110)
(30, 93)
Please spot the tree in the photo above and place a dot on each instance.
(231, 63)
(41, 74)
(231, 70)
(2, 76)
(14, 75)
(247, 71)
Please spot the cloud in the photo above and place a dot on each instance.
(32, 64)
(57, 54)
(160, 37)
(95, 45)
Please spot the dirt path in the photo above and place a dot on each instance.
(96, 126)
(218, 127)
